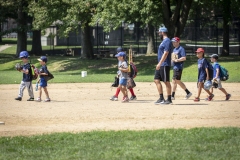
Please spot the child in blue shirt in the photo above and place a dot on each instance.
(203, 74)
(43, 72)
(216, 76)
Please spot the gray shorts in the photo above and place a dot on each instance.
(219, 83)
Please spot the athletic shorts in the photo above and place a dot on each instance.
(177, 74)
(219, 83)
(123, 82)
(43, 83)
(163, 74)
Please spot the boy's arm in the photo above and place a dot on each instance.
(207, 78)
(123, 69)
(217, 74)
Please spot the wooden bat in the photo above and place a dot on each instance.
(130, 58)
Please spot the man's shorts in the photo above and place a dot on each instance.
(123, 81)
(177, 74)
(43, 83)
(163, 74)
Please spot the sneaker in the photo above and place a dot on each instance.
(159, 101)
(114, 98)
(166, 102)
(228, 96)
(18, 98)
(188, 95)
(38, 99)
(30, 99)
(47, 100)
(172, 98)
(196, 100)
(125, 99)
(209, 98)
(133, 98)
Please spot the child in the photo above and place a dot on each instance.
(203, 74)
(123, 75)
(43, 72)
(27, 78)
(115, 97)
(216, 76)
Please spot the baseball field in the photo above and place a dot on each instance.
(81, 122)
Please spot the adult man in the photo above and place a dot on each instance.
(178, 57)
(162, 72)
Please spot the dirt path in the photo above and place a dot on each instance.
(3, 47)
(78, 107)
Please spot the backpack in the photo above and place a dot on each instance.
(223, 73)
(133, 70)
(34, 72)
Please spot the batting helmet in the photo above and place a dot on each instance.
(207, 85)
(23, 54)
(119, 49)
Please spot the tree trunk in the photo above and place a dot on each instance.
(176, 21)
(21, 34)
(36, 43)
(0, 32)
(86, 41)
(151, 45)
(226, 19)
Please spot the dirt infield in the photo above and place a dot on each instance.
(78, 107)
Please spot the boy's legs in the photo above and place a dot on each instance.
(46, 93)
(21, 89)
(223, 90)
(30, 90)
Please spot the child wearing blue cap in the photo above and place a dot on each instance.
(43, 72)
(27, 78)
(123, 75)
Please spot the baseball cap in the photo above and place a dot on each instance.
(163, 29)
(23, 54)
(214, 56)
(119, 49)
(176, 39)
(120, 54)
(200, 50)
(43, 58)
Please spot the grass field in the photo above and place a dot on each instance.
(68, 69)
(198, 143)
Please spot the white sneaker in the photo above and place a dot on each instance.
(125, 99)
(38, 99)
(188, 95)
(114, 98)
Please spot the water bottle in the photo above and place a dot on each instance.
(36, 88)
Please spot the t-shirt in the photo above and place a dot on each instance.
(43, 69)
(215, 67)
(166, 45)
(180, 51)
(202, 65)
(123, 64)
(27, 77)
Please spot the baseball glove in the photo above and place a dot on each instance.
(18, 67)
(174, 56)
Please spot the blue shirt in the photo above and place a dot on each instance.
(165, 46)
(215, 67)
(180, 51)
(202, 65)
(27, 77)
(43, 69)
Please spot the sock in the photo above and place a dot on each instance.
(117, 92)
(173, 94)
(132, 92)
(161, 96)
(187, 91)
(169, 97)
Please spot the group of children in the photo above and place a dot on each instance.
(203, 75)
(27, 78)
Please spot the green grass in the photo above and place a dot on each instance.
(68, 69)
(197, 143)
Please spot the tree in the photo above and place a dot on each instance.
(67, 16)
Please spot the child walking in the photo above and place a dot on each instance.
(123, 75)
(203, 74)
(115, 97)
(43, 72)
(27, 78)
(216, 76)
